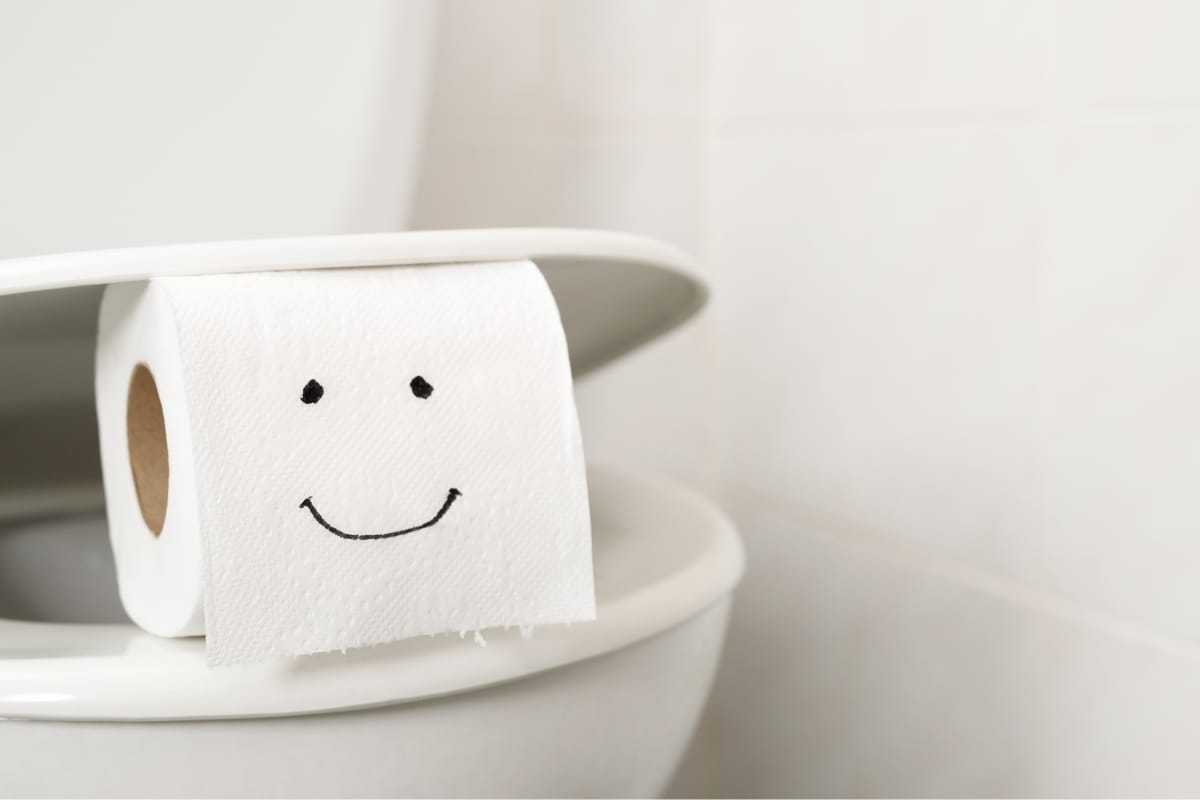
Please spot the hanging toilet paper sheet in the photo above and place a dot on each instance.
(297, 462)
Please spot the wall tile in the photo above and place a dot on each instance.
(853, 671)
(1106, 51)
(775, 57)
(876, 293)
(1121, 379)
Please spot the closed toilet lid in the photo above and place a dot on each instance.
(662, 555)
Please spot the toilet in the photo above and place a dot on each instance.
(90, 705)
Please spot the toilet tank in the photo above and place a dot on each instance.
(138, 122)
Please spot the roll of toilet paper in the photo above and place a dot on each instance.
(297, 462)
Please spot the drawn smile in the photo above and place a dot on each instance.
(453, 495)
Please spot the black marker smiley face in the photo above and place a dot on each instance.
(311, 394)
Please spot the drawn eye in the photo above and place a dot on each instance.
(420, 387)
(313, 392)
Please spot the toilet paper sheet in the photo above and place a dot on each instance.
(355, 456)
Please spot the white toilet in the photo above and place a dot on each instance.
(189, 149)
(90, 705)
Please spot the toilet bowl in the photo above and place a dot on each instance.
(101, 708)
(91, 705)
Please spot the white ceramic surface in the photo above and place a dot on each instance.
(602, 709)
(325, 141)
(662, 554)
(137, 122)
(615, 291)
(612, 726)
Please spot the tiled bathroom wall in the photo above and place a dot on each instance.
(948, 385)
(584, 115)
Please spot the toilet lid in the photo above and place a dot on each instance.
(615, 292)
(662, 555)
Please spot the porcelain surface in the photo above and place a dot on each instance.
(662, 554)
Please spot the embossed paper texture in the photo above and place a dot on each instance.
(378, 454)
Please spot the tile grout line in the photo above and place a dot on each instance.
(966, 575)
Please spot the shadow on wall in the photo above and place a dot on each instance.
(506, 143)
(492, 143)
(509, 142)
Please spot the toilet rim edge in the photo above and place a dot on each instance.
(143, 678)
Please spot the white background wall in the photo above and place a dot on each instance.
(948, 386)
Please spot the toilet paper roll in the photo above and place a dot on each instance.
(297, 462)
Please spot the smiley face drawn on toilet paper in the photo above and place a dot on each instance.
(439, 426)
(421, 389)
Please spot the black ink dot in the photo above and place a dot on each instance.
(313, 392)
(420, 387)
